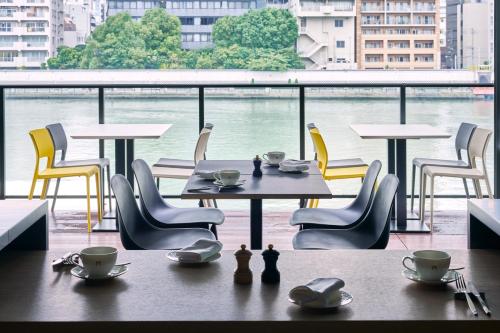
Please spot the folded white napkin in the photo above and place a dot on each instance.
(321, 292)
(200, 250)
(294, 165)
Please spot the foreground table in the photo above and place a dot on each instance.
(483, 223)
(124, 136)
(396, 136)
(24, 225)
(157, 295)
(274, 184)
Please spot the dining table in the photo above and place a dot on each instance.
(396, 136)
(124, 136)
(273, 184)
(159, 295)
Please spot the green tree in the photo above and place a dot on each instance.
(67, 57)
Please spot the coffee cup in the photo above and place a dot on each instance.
(98, 261)
(227, 177)
(274, 157)
(429, 265)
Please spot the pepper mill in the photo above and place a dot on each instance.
(270, 274)
(257, 172)
(243, 274)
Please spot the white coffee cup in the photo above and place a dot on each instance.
(274, 157)
(430, 265)
(227, 177)
(98, 261)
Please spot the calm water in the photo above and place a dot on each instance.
(243, 128)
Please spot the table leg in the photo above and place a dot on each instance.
(256, 224)
(130, 159)
(120, 157)
(391, 165)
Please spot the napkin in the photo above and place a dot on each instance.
(294, 165)
(200, 250)
(321, 292)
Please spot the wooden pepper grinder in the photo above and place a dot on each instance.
(270, 274)
(257, 172)
(243, 274)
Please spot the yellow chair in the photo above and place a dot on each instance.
(335, 173)
(44, 148)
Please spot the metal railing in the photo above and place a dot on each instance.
(201, 108)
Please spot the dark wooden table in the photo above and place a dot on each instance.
(483, 223)
(274, 184)
(157, 295)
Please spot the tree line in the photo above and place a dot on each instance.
(259, 40)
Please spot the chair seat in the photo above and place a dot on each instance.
(175, 173)
(346, 173)
(346, 163)
(327, 239)
(102, 162)
(174, 163)
(170, 239)
(69, 172)
(420, 162)
(324, 217)
(439, 171)
(186, 216)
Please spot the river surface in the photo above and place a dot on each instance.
(244, 127)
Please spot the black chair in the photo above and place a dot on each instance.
(344, 218)
(61, 144)
(371, 233)
(137, 233)
(159, 213)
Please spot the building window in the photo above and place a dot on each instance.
(339, 23)
(303, 22)
(340, 44)
(5, 26)
(187, 20)
(7, 55)
(203, 5)
(208, 20)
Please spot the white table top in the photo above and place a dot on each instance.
(399, 131)
(120, 131)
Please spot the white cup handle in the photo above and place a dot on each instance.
(264, 157)
(407, 267)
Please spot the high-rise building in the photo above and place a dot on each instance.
(77, 23)
(30, 32)
(442, 32)
(327, 37)
(398, 34)
(197, 16)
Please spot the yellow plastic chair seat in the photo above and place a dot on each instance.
(345, 173)
(87, 171)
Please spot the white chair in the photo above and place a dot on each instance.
(477, 150)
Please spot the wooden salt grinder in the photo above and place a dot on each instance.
(243, 274)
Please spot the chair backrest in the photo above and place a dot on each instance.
(478, 144)
(463, 138)
(131, 221)
(201, 144)
(44, 148)
(312, 128)
(321, 151)
(377, 222)
(149, 195)
(364, 199)
(58, 138)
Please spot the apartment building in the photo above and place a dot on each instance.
(30, 32)
(327, 37)
(77, 22)
(197, 16)
(398, 34)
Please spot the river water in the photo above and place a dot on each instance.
(243, 128)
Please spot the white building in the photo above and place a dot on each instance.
(77, 23)
(327, 37)
(30, 32)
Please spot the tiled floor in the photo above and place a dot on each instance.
(68, 231)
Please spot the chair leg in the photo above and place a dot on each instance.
(479, 192)
(58, 180)
(45, 188)
(158, 183)
(432, 202)
(423, 193)
(32, 190)
(412, 187)
(213, 229)
(467, 195)
(488, 187)
(215, 203)
(108, 175)
(88, 205)
(100, 203)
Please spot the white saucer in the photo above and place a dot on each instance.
(82, 273)
(238, 183)
(450, 276)
(173, 256)
(294, 171)
(345, 299)
(272, 164)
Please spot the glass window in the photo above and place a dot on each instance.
(112, 5)
(339, 23)
(140, 4)
(231, 5)
(204, 38)
(341, 44)
(133, 5)
(189, 4)
(189, 37)
(203, 4)
(119, 4)
(224, 4)
(253, 4)
(210, 5)
(5, 26)
(168, 4)
(126, 5)
(187, 20)
(196, 4)
(245, 5)
(217, 4)
(196, 37)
